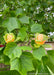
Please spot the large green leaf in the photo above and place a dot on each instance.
(26, 62)
(38, 53)
(36, 28)
(11, 23)
(22, 65)
(24, 19)
(12, 50)
(15, 65)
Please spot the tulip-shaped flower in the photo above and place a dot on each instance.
(40, 38)
(9, 37)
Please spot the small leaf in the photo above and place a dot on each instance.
(24, 19)
(22, 34)
(19, 11)
(47, 46)
(26, 48)
(36, 28)
(18, 38)
(1, 48)
(38, 53)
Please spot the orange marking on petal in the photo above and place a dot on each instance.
(41, 43)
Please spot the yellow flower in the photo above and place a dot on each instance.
(40, 38)
(9, 37)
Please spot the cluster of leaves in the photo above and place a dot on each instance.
(24, 18)
(21, 59)
(40, 11)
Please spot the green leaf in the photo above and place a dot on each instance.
(19, 11)
(1, 48)
(42, 69)
(6, 60)
(41, 66)
(1, 57)
(36, 28)
(22, 65)
(18, 38)
(12, 50)
(47, 46)
(26, 48)
(11, 23)
(22, 34)
(50, 65)
(15, 64)
(51, 55)
(26, 63)
(38, 53)
(24, 19)
(2, 30)
(48, 62)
